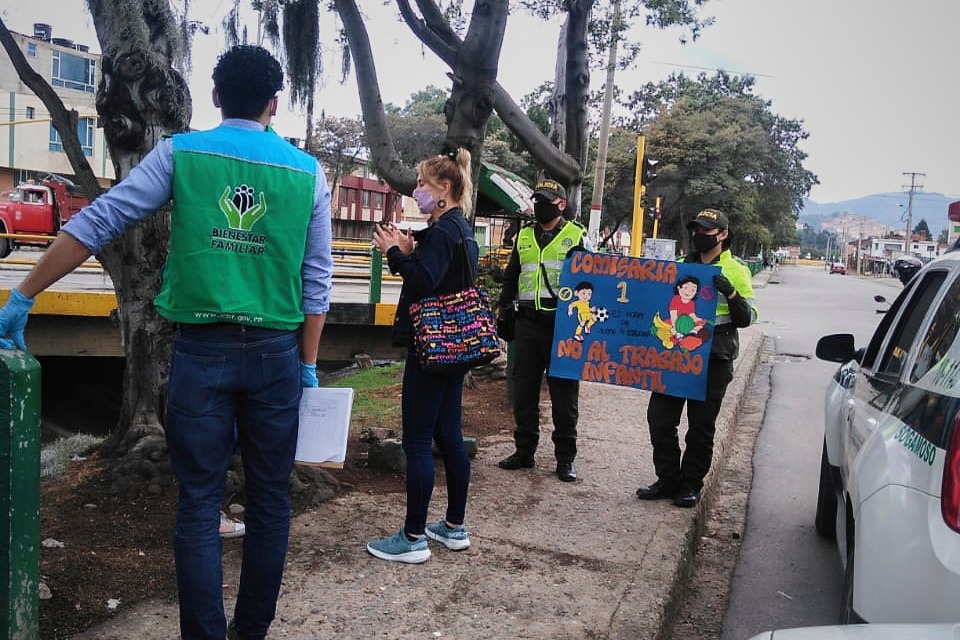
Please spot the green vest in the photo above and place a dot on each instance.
(531, 287)
(242, 202)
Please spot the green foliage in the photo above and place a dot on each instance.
(426, 102)
(721, 146)
(619, 179)
(339, 144)
(418, 129)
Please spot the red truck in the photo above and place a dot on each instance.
(38, 209)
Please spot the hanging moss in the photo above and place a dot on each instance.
(301, 37)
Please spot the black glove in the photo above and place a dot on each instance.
(723, 285)
(505, 324)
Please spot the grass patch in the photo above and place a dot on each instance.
(376, 396)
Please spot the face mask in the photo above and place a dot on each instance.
(545, 211)
(703, 243)
(424, 200)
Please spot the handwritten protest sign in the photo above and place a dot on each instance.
(636, 322)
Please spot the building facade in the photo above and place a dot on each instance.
(30, 147)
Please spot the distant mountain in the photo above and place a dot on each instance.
(886, 209)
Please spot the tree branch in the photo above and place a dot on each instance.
(385, 157)
(432, 30)
(563, 166)
(64, 120)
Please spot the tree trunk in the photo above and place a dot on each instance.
(435, 33)
(577, 79)
(140, 97)
(380, 142)
(557, 103)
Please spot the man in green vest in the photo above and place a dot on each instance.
(247, 285)
(680, 478)
(530, 281)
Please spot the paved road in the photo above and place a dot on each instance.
(787, 575)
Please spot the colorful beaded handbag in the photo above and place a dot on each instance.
(454, 332)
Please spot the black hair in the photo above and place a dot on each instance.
(684, 280)
(246, 78)
(583, 285)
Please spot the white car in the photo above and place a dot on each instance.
(890, 472)
(867, 632)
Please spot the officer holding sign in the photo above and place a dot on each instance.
(680, 478)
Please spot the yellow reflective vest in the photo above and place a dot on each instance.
(532, 287)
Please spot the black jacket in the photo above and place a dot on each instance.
(435, 267)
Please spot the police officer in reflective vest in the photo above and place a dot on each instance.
(531, 279)
(680, 478)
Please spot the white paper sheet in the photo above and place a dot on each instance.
(324, 426)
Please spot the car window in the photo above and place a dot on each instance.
(940, 334)
(873, 348)
(905, 331)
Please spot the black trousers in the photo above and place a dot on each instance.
(532, 347)
(663, 416)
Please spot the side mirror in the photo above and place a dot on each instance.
(837, 347)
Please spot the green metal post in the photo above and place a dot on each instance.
(19, 495)
(376, 275)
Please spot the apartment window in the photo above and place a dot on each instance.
(31, 49)
(85, 129)
(377, 200)
(31, 113)
(366, 199)
(73, 72)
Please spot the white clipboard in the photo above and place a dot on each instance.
(324, 426)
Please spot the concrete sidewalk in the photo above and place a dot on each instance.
(549, 560)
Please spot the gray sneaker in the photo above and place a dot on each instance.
(454, 538)
(397, 548)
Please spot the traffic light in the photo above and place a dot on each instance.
(648, 170)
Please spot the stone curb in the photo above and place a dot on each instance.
(744, 370)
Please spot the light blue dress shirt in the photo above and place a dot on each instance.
(148, 187)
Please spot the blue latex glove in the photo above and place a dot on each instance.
(13, 319)
(308, 375)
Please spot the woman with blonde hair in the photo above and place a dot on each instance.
(431, 262)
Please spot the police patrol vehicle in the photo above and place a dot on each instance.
(889, 487)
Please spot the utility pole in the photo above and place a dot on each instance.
(596, 200)
(860, 248)
(913, 188)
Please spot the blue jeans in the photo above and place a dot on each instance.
(432, 408)
(224, 376)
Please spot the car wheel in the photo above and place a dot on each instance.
(6, 244)
(847, 614)
(826, 518)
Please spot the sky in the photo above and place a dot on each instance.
(872, 82)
